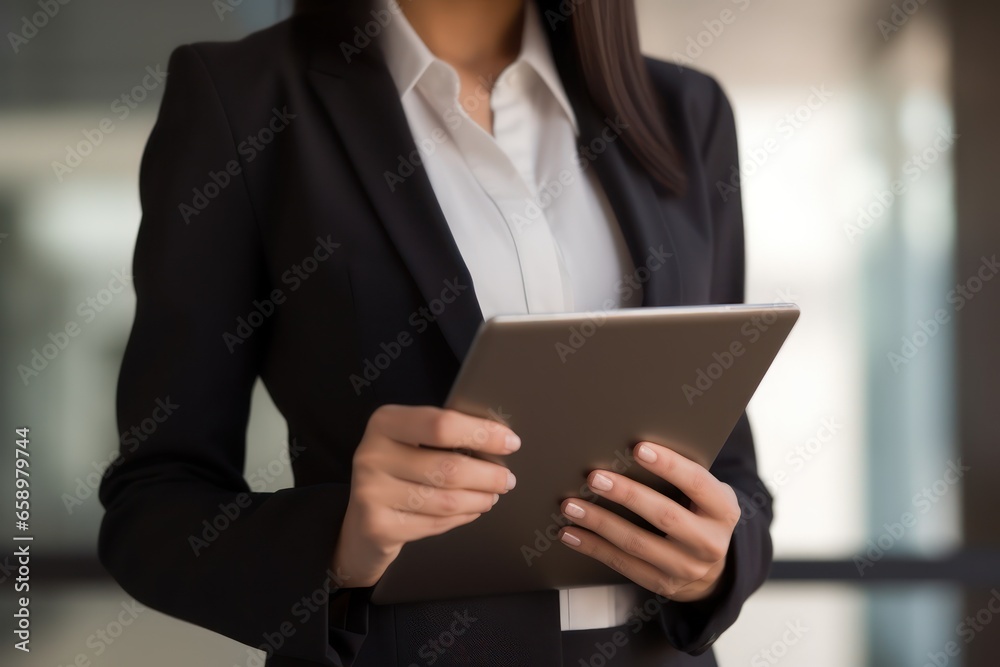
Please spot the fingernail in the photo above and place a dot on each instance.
(512, 442)
(574, 510)
(511, 480)
(570, 539)
(645, 453)
(601, 483)
(496, 497)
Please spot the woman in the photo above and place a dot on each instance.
(334, 204)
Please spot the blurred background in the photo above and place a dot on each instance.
(868, 140)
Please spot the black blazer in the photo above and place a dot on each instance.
(278, 241)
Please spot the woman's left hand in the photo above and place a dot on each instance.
(684, 562)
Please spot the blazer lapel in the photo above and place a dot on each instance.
(641, 218)
(365, 108)
(630, 190)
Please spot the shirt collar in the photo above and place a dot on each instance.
(408, 58)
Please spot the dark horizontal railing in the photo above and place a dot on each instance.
(967, 567)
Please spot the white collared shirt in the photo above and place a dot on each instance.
(534, 229)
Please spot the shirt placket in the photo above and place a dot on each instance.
(511, 189)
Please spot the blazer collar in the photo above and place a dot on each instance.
(353, 82)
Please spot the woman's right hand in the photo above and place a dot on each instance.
(401, 492)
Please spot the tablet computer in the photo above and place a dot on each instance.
(581, 389)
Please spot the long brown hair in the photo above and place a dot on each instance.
(605, 36)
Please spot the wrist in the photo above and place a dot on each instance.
(357, 570)
(706, 587)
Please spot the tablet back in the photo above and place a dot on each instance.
(580, 390)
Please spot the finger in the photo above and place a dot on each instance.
(666, 556)
(639, 571)
(437, 427)
(698, 535)
(446, 470)
(408, 526)
(715, 498)
(432, 501)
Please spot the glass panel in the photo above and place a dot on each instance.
(846, 172)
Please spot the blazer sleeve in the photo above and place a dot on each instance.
(692, 627)
(182, 532)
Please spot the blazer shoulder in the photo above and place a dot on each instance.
(692, 88)
(260, 46)
(240, 67)
(696, 103)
